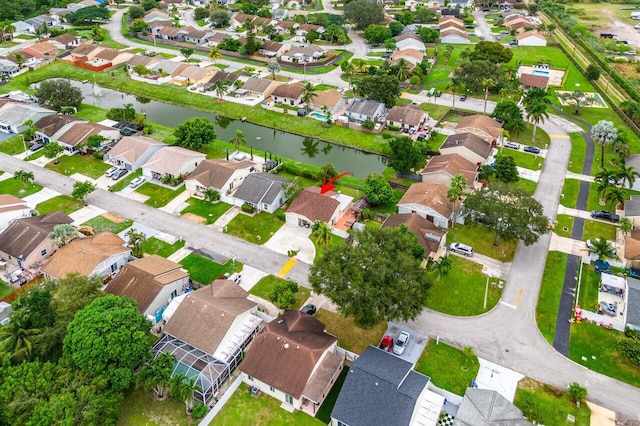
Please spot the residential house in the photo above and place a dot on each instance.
(26, 244)
(429, 200)
(238, 20)
(379, 385)
(283, 27)
(485, 127)
(467, 145)
(196, 36)
(8, 68)
(154, 15)
(515, 22)
(293, 360)
(631, 209)
(273, 49)
(87, 52)
(481, 407)
(23, 28)
(461, 4)
(216, 37)
(414, 57)
(531, 38)
(288, 94)
(450, 12)
(633, 305)
(152, 281)
(105, 57)
(302, 54)
(262, 191)
(406, 117)
(101, 255)
(193, 75)
(131, 152)
(442, 168)
(220, 175)
(41, 50)
(27, 59)
(303, 29)
(613, 293)
(409, 41)
(311, 206)
(172, 161)
(65, 41)
(450, 21)
(76, 136)
(11, 208)
(632, 248)
(279, 14)
(430, 237)
(360, 110)
(207, 330)
(330, 99)
(530, 81)
(14, 115)
(209, 83)
(256, 87)
(454, 36)
(156, 26)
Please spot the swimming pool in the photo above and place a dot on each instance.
(318, 116)
(540, 72)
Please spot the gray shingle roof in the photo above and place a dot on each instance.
(364, 107)
(632, 207)
(633, 302)
(482, 407)
(260, 188)
(379, 386)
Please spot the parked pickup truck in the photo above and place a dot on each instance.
(605, 215)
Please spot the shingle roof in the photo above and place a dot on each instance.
(428, 234)
(406, 36)
(43, 47)
(328, 98)
(408, 114)
(429, 194)
(632, 207)
(215, 173)
(80, 132)
(286, 352)
(50, 124)
(452, 164)
(530, 80)
(530, 34)
(205, 315)
(633, 302)
(453, 31)
(131, 148)
(65, 38)
(260, 188)
(16, 113)
(10, 202)
(256, 84)
(83, 255)
(313, 205)
(108, 54)
(289, 91)
(482, 407)
(470, 141)
(25, 235)
(272, 46)
(479, 123)
(364, 107)
(379, 387)
(170, 160)
(632, 245)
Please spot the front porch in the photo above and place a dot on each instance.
(320, 383)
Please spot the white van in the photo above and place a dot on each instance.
(461, 249)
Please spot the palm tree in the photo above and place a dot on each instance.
(129, 112)
(577, 393)
(182, 388)
(308, 92)
(211, 195)
(468, 353)
(62, 234)
(403, 70)
(615, 196)
(442, 266)
(214, 54)
(604, 133)
(156, 374)
(322, 233)
(455, 86)
(602, 248)
(536, 112)
(41, 31)
(349, 69)
(503, 92)
(626, 226)
(25, 177)
(454, 193)
(486, 84)
(16, 337)
(8, 29)
(535, 95)
(626, 175)
(239, 140)
(274, 68)
(605, 178)
(221, 87)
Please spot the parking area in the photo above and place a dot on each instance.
(416, 345)
(290, 237)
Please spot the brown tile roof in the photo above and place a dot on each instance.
(84, 49)
(65, 38)
(50, 124)
(289, 91)
(429, 194)
(409, 53)
(143, 279)
(80, 132)
(530, 34)
(83, 255)
(328, 98)
(108, 54)
(286, 353)
(632, 245)
(271, 45)
(429, 235)
(453, 31)
(141, 60)
(205, 315)
(313, 205)
(409, 114)
(44, 47)
(193, 33)
(131, 148)
(530, 80)
(406, 36)
(215, 173)
(286, 24)
(317, 385)
(220, 76)
(480, 123)
(515, 24)
(169, 160)
(256, 84)
(25, 235)
(10, 203)
(452, 164)
(470, 141)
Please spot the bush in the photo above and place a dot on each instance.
(247, 208)
(367, 214)
(199, 411)
(280, 215)
(630, 347)
(99, 155)
(393, 128)
(283, 294)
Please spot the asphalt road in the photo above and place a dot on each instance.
(483, 26)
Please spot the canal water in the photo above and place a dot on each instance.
(306, 150)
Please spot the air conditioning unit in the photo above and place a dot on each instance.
(255, 391)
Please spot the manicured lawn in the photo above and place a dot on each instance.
(35, 155)
(526, 185)
(61, 202)
(123, 182)
(4, 289)
(101, 223)
(524, 159)
(159, 247)
(257, 229)
(392, 206)
(210, 211)
(16, 188)
(435, 111)
(547, 405)
(578, 151)
(550, 291)
(591, 340)
(87, 165)
(324, 413)
(265, 286)
(350, 336)
(335, 241)
(91, 113)
(447, 367)
(481, 239)
(525, 137)
(204, 270)
(12, 145)
(595, 229)
(141, 409)
(563, 221)
(569, 196)
(589, 287)
(159, 196)
(461, 291)
(242, 409)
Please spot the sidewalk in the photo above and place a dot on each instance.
(227, 217)
(86, 213)
(43, 195)
(175, 206)
(571, 175)
(567, 245)
(179, 255)
(573, 212)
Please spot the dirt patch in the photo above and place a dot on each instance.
(529, 383)
(114, 217)
(622, 30)
(626, 69)
(195, 218)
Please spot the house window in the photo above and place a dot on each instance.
(250, 377)
(265, 206)
(289, 399)
(342, 424)
(114, 268)
(174, 293)
(272, 389)
(43, 252)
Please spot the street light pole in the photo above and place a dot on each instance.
(24, 144)
(486, 292)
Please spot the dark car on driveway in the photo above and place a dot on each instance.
(36, 146)
(308, 309)
(605, 215)
(532, 149)
(119, 173)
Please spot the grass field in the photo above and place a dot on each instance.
(205, 209)
(4, 289)
(205, 270)
(589, 288)
(61, 202)
(16, 188)
(257, 229)
(159, 196)
(570, 190)
(264, 287)
(481, 239)
(461, 291)
(578, 151)
(523, 159)
(156, 246)
(101, 223)
(447, 367)
(87, 165)
(141, 409)
(563, 221)
(596, 229)
(12, 145)
(550, 291)
(547, 405)
(350, 336)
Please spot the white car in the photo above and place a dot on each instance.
(512, 145)
(401, 343)
(137, 182)
(637, 26)
(111, 171)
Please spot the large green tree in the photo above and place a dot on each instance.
(364, 13)
(377, 190)
(82, 189)
(404, 154)
(495, 52)
(604, 133)
(194, 133)
(511, 213)
(108, 337)
(509, 113)
(377, 33)
(377, 279)
(382, 88)
(473, 73)
(506, 169)
(58, 94)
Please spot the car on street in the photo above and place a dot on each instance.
(111, 171)
(461, 249)
(386, 56)
(36, 146)
(119, 173)
(309, 309)
(137, 182)
(463, 98)
(605, 215)
(532, 149)
(630, 53)
(401, 343)
(386, 343)
(513, 43)
(512, 145)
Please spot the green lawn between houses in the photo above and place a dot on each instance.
(447, 367)
(101, 223)
(17, 189)
(550, 291)
(205, 270)
(205, 209)
(264, 287)
(159, 247)
(86, 165)
(481, 239)
(159, 196)
(547, 405)
(61, 202)
(256, 229)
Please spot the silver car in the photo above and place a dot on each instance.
(401, 343)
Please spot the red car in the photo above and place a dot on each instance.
(386, 343)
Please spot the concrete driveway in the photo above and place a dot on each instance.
(416, 345)
(490, 266)
(43, 195)
(291, 237)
